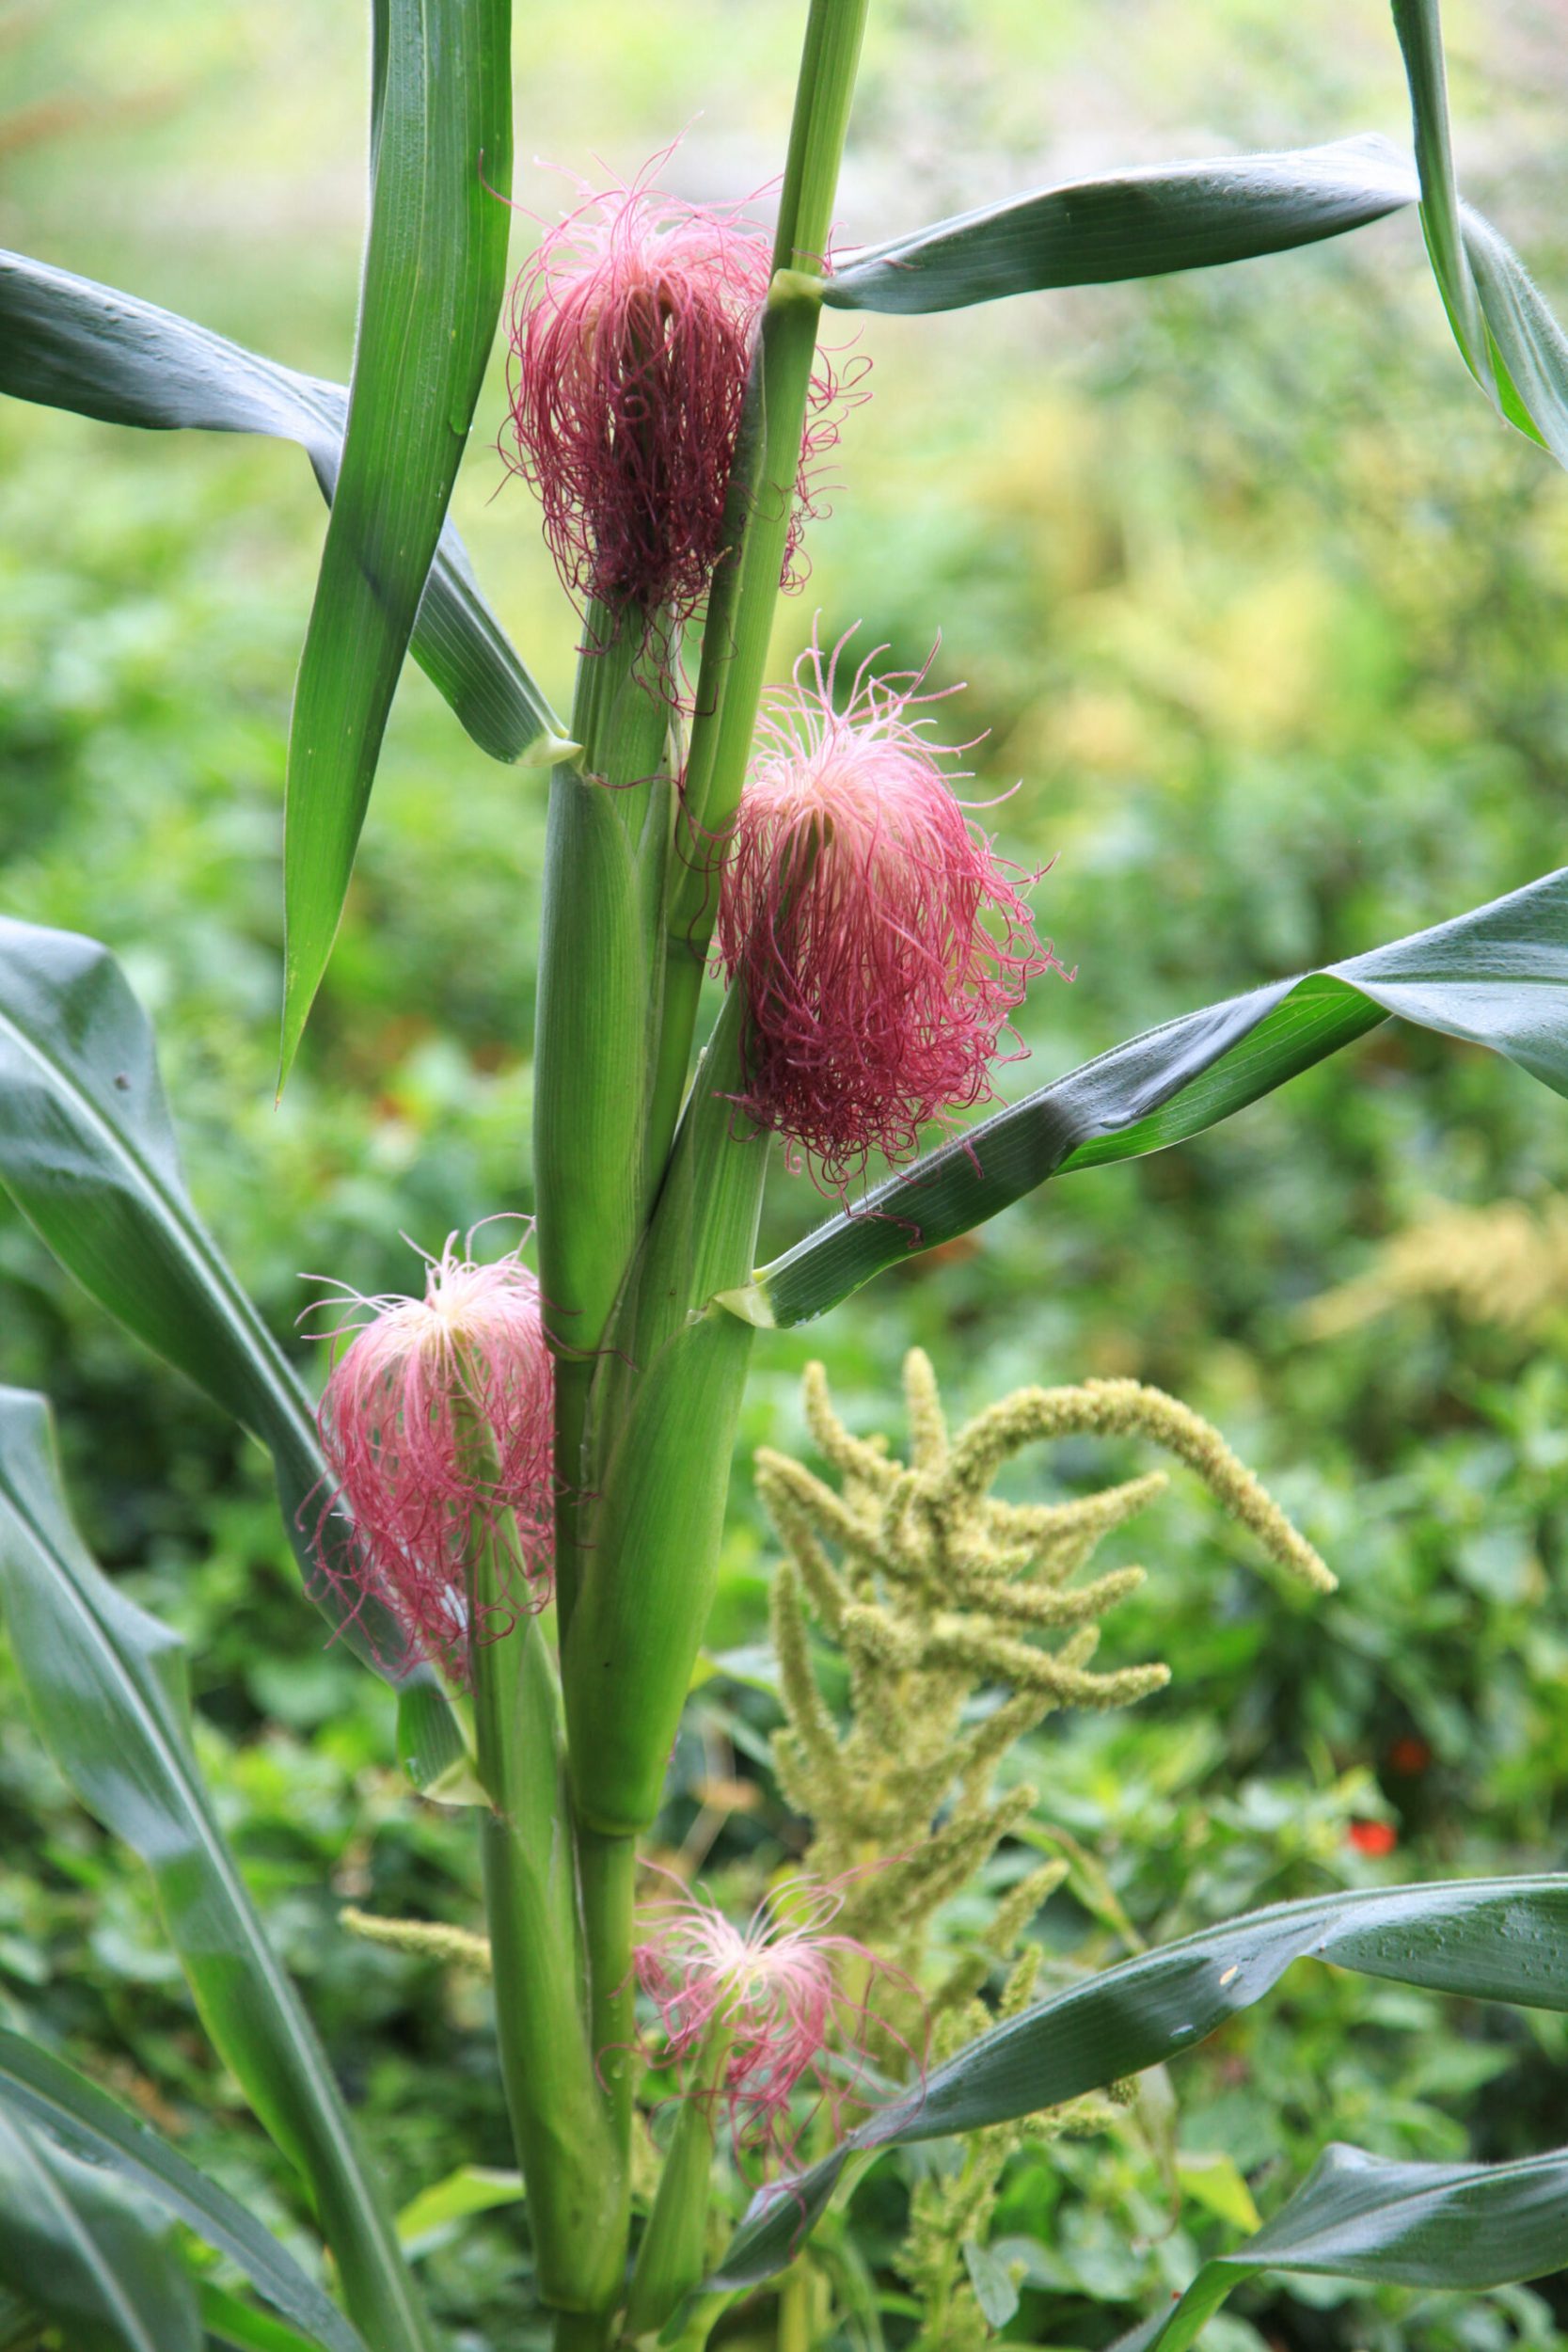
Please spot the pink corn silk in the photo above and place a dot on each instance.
(881, 942)
(396, 1423)
(778, 1987)
(632, 330)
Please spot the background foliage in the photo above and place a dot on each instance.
(1264, 613)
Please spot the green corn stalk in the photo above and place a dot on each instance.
(645, 1216)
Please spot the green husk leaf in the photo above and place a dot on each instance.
(665, 1404)
(434, 276)
(1490, 1939)
(108, 1689)
(68, 342)
(1496, 976)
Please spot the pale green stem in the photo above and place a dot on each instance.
(607, 1874)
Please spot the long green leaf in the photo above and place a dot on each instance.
(241, 2328)
(78, 2247)
(67, 343)
(1417, 2225)
(434, 276)
(1497, 977)
(1491, 1939)
(1132, 224)
(1508, 337)
(88, 2124)
(88, 1153)
(106, 1685)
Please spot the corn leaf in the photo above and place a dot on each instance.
(106, 1687)
(1131, 224)
(1509, 338)
(434, 278)
(1394, 2224)
(437, 2213)
(1490, 1939)
(68, 342)
(239, 2327)
(84, 2254)
(1496, 976)
(88, 1153)
(85, 2123)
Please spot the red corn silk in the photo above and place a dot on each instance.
(881, 942)
(780, 1987)
(398, 1421)
(632, 330)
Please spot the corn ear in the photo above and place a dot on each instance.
(600, 988)
(665, 1405)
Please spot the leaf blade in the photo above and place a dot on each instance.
(88, 2123)
(1494, 1939)
(68, 343)
(88, 1153)
(1497, 977)
(81, 2251)
(1131, 224)
(1356, 2215)
(1507, 335)
(434, 278)
(105, 1684)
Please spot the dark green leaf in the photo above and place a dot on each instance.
(87, 2123)
(1497, 976)
(106, 1686)
(1417, 2225)
(1492, 1939)
(1135, 224)
(68, 343)
(88, 1153)
(79, 2247)
(1509, 340)
(434, 276)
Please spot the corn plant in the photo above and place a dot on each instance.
(509, 1498)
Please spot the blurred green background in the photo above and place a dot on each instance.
(1262, 613)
